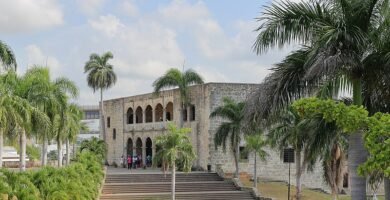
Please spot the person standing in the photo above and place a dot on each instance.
(129, 162)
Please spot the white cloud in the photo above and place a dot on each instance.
(90, 7)
(129, 8)
(108, 24)
(182, 12)
(35, 56)
(29, 15)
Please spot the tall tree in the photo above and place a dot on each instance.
(33, 117)
(175, 145)
(7, 57)
(101, 76)
(288, 133)
(255, 143)
(73, 126)
(232, 113)
(342, 34)
(51, 97)
(174, 78)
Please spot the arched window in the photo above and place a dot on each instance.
(149, 114)
(169, 111)
(130, 116)
(138, 115)
(158, 113)
(114, 134)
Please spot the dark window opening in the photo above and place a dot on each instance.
(114, 134)
(130, 116)
(149, 114)
(345, 180)
(185, 115)
(108, 122)
(192, 113)
(243, 154)
(138, 115)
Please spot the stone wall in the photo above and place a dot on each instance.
(205, 98)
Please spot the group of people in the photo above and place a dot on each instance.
(135, 161)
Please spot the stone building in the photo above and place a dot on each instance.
(132, 124)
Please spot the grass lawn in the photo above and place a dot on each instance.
(278, 191)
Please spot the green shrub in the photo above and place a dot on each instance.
(33, 153)
(79, 181)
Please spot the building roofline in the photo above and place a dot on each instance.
(172, 89)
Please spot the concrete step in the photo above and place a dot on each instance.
(166, 187)
(224, 195)
(143, 178)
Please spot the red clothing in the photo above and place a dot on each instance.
(129, 160)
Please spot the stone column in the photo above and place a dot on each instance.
(134, 117)
(153, 153)
(143, 152)
(143, 116)
(153, 115)
(164, 115)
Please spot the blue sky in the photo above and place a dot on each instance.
(147, 37)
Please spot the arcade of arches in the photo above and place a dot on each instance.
(158, 114)
(140, 147)
(149, 115)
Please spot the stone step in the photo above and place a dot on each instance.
(166, 187)
(136, 178)
(224, 195)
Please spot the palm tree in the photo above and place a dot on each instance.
(342, 35)
(73, 126)
(255, 143)
(96, 146)
(175, 145)
(100, 76)
(12, 111)
(32, 118)
(328, 144)
(51, 97)
(7, 57)
(174, 78)
(232, 112)
(288, 133)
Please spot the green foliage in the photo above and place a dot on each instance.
(377, 141)
(257, 143)
(350, 119)
(80, 180)
(100, 73)
(347, 118)
(175, 146)
(96, 146)
(52, 155)
(175, 78)
(33, 152)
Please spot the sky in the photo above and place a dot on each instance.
(146, 37)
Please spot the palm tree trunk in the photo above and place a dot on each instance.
(59, 149)
(67, 152)
(74, 150)
(102, 116)
(22, 141)
(357, 154)
(181, 115)
(173, 180)
(44, 152)
(298, 174)
(255, 173)
(387, 188)
(1, 148)
(236, 157)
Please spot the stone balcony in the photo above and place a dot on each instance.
(154, 126)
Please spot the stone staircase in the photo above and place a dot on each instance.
(157, 186)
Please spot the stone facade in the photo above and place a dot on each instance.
(132, 124)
